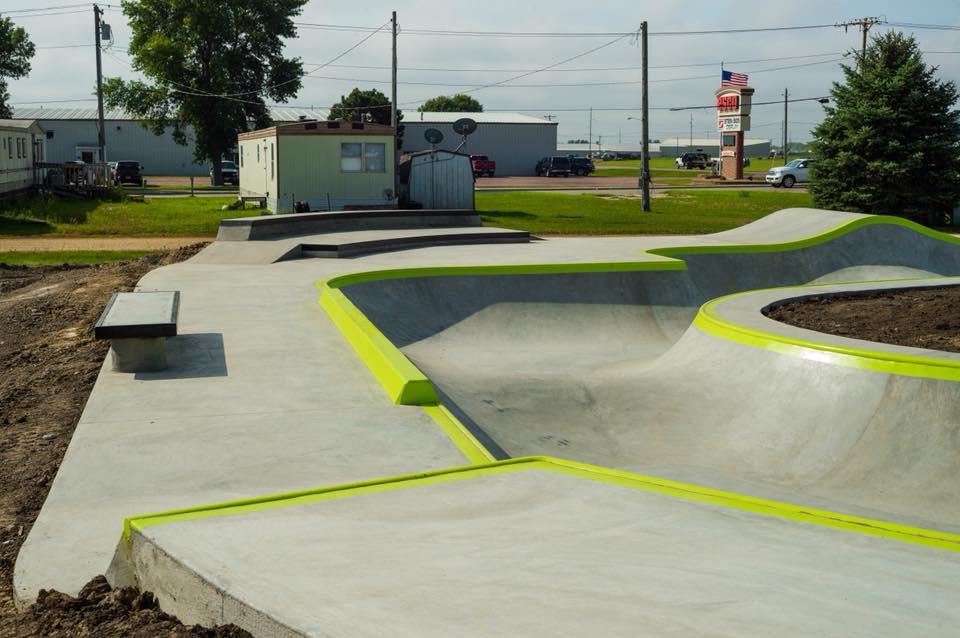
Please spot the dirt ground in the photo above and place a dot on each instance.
(96, 243)
(50, 362)
(927, 318)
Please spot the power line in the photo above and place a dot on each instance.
(555, 34)
(52, 8)
(44, 15)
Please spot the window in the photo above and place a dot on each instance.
(19, 147)
(351, 157)
(49, 135)
(375, 158)
(258, 153)
(242, 149)
(10, 147)
(271, 160)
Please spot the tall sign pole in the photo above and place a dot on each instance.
(645, 123)
(786, 100)
(393, 105)
(100, 136)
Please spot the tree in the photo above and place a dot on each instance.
(459, 103)
(363, 106)
(15, 53)
(890, 142)
(212, 64)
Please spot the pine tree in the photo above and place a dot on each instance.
(890, 142)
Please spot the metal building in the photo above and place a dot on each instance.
(514, 141)
(438, 179)
(71, 134)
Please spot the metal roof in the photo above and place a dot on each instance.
(437, 117)
(24, 124)
(277, 114)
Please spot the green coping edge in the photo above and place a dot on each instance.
(806, 242)
(402, 380)
(710, 320)
(694, 493)
(460, 436)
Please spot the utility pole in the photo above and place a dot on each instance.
(864, 24)
(645, 124)
(786, 99)
(101, 142)
(393, 105)
(590, 134)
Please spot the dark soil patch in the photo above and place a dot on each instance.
(50, 362)
(919, 318)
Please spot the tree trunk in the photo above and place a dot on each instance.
(217, 179)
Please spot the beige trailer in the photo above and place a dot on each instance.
(328, 165)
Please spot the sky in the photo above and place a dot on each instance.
(684, 69)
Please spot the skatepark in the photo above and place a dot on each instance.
(415, 425)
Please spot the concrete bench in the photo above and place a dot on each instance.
(137, 325)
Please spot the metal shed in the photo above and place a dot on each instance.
(514, 141)
(438, 179)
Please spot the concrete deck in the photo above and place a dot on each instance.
(264, 395)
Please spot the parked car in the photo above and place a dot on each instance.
(483, 165)
(693, 160)
(229, 172)
(113, 171)
(797, 170)
(582, 166)
(129, 172)
(553, 166)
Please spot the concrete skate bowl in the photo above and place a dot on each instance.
(611, 365)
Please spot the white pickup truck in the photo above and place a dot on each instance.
(797, 171)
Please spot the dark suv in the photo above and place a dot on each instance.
(128, 172)
(553, 166)
(693, 160)
(582, 166)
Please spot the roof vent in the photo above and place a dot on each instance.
(310, 126)
(356, 126)
(333, 124)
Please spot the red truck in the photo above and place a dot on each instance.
(482, 165)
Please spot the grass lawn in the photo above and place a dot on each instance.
(680, 212)
(197, 186)
(174, 216)
(73, 257)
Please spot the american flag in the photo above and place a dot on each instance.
(729, 78)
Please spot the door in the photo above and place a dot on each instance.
(86, 157)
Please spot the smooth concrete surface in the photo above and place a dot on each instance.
(264, 395)
(605, 368)
(536, 553)
(138, 355)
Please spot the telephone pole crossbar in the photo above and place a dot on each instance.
(864, 24)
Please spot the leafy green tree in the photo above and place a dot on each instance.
(212, 65)
(363, 106)
(458, 103)
(367, 106)
(15, 53)
(890, 142)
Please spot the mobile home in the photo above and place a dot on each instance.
(328, 165)
(22, 142)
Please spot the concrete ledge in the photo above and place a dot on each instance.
(268, 227)
(351, 248)
(741, 318)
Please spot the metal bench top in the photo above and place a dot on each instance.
(139, 315)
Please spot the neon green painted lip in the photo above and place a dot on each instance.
(683, 491)
(711, 320)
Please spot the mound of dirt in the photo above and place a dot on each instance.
(98, 610)
(919, 318)
(50, 363)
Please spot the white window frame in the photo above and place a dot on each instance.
(382, 157)
(358, 157)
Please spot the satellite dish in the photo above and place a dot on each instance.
(464, 126)
(433, 135)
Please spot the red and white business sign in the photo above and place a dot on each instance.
(733, 108)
